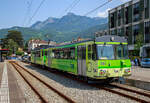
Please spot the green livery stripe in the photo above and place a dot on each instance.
(73, 45)
(109, 43)
(114, 63)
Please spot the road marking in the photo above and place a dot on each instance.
(4, 90)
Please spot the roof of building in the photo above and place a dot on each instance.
(4, 49)
(37, 41)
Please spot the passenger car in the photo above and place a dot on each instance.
(145, 62)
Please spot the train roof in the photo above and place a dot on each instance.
(111, 38)
(43, 47)
(77, 42)
(106, 38)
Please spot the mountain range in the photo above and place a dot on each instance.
(62, 29)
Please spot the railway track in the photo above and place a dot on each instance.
(110, 87)
(40, 96)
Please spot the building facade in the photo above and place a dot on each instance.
(131, 19)
(101, 33)
(36, 43)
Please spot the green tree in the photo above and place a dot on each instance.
(9, 44)
(26, 46)
(139, 41)
(16, 36)
(20, 53)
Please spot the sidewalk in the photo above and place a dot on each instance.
(140, 78)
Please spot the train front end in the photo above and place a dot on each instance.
(112, 58)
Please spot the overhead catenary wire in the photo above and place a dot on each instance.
(29, 4)
(70, 8)
(42, 2)
(67, 8)
(77, 1)
(97, 8)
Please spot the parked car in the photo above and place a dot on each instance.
(145, 62)
(26, 58)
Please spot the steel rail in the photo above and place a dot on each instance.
(123, 94)
(105, 88)
(32, 87)
(48, 85)
(130, 90)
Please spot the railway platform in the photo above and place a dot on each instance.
(9, 89)
(140, 78)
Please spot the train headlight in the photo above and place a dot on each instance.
(102, 72)
(127, 70)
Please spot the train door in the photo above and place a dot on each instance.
(49, 58)
(45, 56)
(42, 56)
(82, 60)
(34, 56)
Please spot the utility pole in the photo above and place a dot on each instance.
(47, 36)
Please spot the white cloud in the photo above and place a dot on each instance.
(103, 13)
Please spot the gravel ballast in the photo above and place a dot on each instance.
(78, 92)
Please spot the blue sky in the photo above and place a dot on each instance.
(17, 13)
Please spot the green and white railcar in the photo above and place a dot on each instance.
(102, 58)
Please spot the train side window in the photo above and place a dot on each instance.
(61, 55)
(72, 53)
(46, 53)
(94, 55)
(89, 51)
(83, 53)
(57, 54)
(42, 52)
(52, 55)
(37, 53)
(65, 53)
(79, 53)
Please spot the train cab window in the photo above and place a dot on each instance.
(121, 51)
(105, 52)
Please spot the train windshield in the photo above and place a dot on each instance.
(112, 51)
(121, 51)
(105, 52)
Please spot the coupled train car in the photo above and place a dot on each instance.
(106, 57)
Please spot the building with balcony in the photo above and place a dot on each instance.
(101, 33)
(37, 43)
(131, 19)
